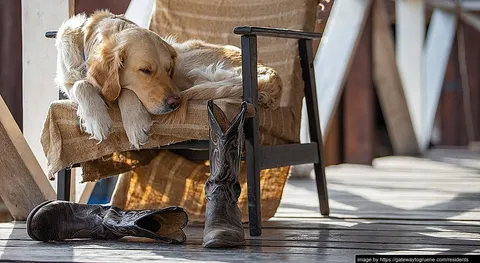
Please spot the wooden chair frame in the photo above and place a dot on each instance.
(257, 156)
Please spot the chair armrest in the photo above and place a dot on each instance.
(51, 34)
(275, 32)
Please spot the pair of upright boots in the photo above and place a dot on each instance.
(60, 220)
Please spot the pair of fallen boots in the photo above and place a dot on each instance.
(60, 220)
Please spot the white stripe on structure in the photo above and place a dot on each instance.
(39, 66)
(334, 55)
(410, 35)
(438, 45)
(139, 11)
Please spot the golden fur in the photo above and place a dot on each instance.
(105, 58)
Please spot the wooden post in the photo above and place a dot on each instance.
(11, 51)
(23, 184)
(39, 66)
(438, 44)
(86, 193)
(410, 35)
(472, 40)
(389, 86)
(334, 55)
(452, 120)
(359, 113)
(332, 144)
(115, 6)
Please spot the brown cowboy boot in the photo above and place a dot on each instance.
(60, 220)
(223, 225)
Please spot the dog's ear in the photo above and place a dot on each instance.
(173, 54)
(104, 68)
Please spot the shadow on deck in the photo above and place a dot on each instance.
(400, 205)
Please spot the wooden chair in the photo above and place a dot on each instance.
(258, 156)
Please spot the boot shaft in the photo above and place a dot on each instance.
(223, 226)
(226, 144)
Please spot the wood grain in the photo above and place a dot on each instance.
(389, 86)
(359, 103)
(334, 56)
(438, 46)
(409, 39)
(23, 185)
(398, 205)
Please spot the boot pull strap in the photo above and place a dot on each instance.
(218, 117)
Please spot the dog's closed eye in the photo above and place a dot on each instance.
(146, 71)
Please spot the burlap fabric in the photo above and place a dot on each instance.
(65, 144)
(159, 178)
(172, 179)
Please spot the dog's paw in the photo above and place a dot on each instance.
(97, 124)
(137, 124)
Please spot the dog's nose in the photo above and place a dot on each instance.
(173, 101)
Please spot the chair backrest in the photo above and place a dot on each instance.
(213, 21)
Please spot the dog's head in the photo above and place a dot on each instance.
(139, 60)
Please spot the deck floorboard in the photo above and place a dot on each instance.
(400, 205)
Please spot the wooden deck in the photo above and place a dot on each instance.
(401, 205)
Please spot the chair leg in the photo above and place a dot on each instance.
(253, 177)
(306, 57)
(250, 95)
(64, 178)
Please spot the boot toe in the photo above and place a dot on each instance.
(217, 238)
(40, 222)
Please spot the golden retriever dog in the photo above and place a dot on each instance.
(106, 58)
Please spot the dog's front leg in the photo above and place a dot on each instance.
(92, 110)
(135, 117)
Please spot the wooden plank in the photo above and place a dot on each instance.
(438, 46)
(11, 63)
(334, 55)
(139, 12)
(277, 243)
(389, 86)
(288, 154)
(421, 215)
(23, 185)
(283, 238)
(279, 237)
(366, 225)
(345, 226)
(312, 241)
(333, 149)
(39, 66)
(323, 12)
(367, 202)
(452, 118)
(86, 193)
(71, 7)
(472, 53)
(162, 252)
(410, 35)
(471, 19)
(451, 5)
(359, 102)
(73, 185)
(115, 6)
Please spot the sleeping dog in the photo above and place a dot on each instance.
(106, 58)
